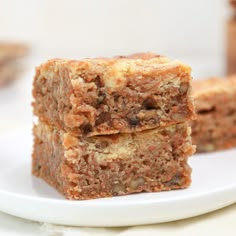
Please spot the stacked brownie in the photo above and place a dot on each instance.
(10, 60)
(215, 126)
(113, 126)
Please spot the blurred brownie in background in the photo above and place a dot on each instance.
(11, 55)
(215, 127)
(233, 4)
(231, 41)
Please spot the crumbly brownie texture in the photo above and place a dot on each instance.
(110, 165)
(12, 51)
(117, 95)
(215, 127)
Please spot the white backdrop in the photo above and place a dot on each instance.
(192, 30)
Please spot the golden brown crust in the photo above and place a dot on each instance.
(110, 165)
(113, 95)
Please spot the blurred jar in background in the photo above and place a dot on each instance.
(231, 41)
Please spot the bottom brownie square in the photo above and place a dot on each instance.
(118, 164)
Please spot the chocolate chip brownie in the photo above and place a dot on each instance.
(113, 95)
(111, 165)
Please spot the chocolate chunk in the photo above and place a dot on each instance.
(38, 167)
(206, 111)
(134, 121)
(102, 144)
(87, 128)
(149, 103)
(98, 82)
(103, 117)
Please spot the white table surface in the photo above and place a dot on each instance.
(15, 112)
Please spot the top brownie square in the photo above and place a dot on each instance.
(113, 95)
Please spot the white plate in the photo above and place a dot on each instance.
(213, 187)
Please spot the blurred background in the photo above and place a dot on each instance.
(193, 31)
